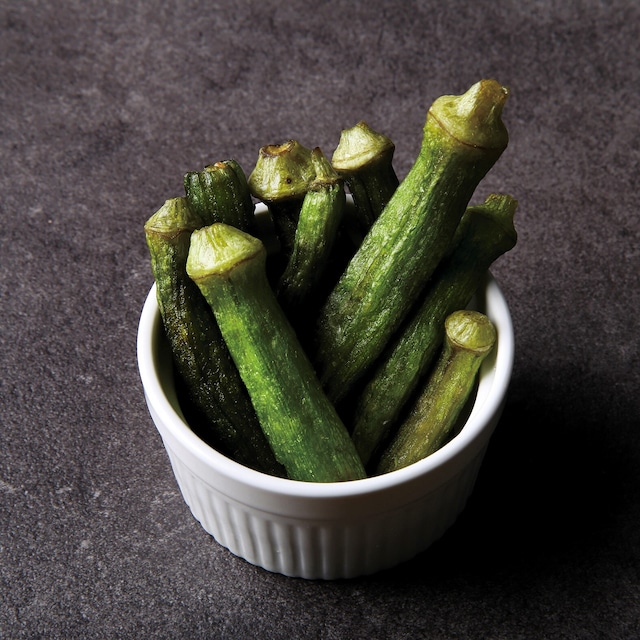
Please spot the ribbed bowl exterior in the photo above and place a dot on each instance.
(333, 530)
(321, 549)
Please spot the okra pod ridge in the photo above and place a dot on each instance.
(364, 158)
(413, 233)
(469, 337)
(485, 232)
(280, 179)
(301, 425)
(220, 193)
(318, 225)
(217, 404)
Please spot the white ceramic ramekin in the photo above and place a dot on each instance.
(334, 530)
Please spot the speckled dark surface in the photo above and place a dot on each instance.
(104, 106)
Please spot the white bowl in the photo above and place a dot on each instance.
(325, 530)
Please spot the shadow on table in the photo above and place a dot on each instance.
(560, 472)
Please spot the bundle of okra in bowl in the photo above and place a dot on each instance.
(317, 309)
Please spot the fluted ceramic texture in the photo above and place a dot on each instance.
(333, 530)
(323, 549)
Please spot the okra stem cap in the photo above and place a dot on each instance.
(174, 217)
(359, 146)
(218, 249)
(475, 117)
(470, 331)
(282, 171)
(325, 174)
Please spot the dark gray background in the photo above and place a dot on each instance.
(105, 105)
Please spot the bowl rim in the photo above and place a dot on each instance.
(478, 421)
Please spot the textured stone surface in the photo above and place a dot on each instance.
(104, 106)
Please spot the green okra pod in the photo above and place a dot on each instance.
(485, 233)
(320, 217)
(302, 426)
(463, 138)
(216, 397)
(220, 193)
(280, 180)
(470, 337)
(364, 158)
